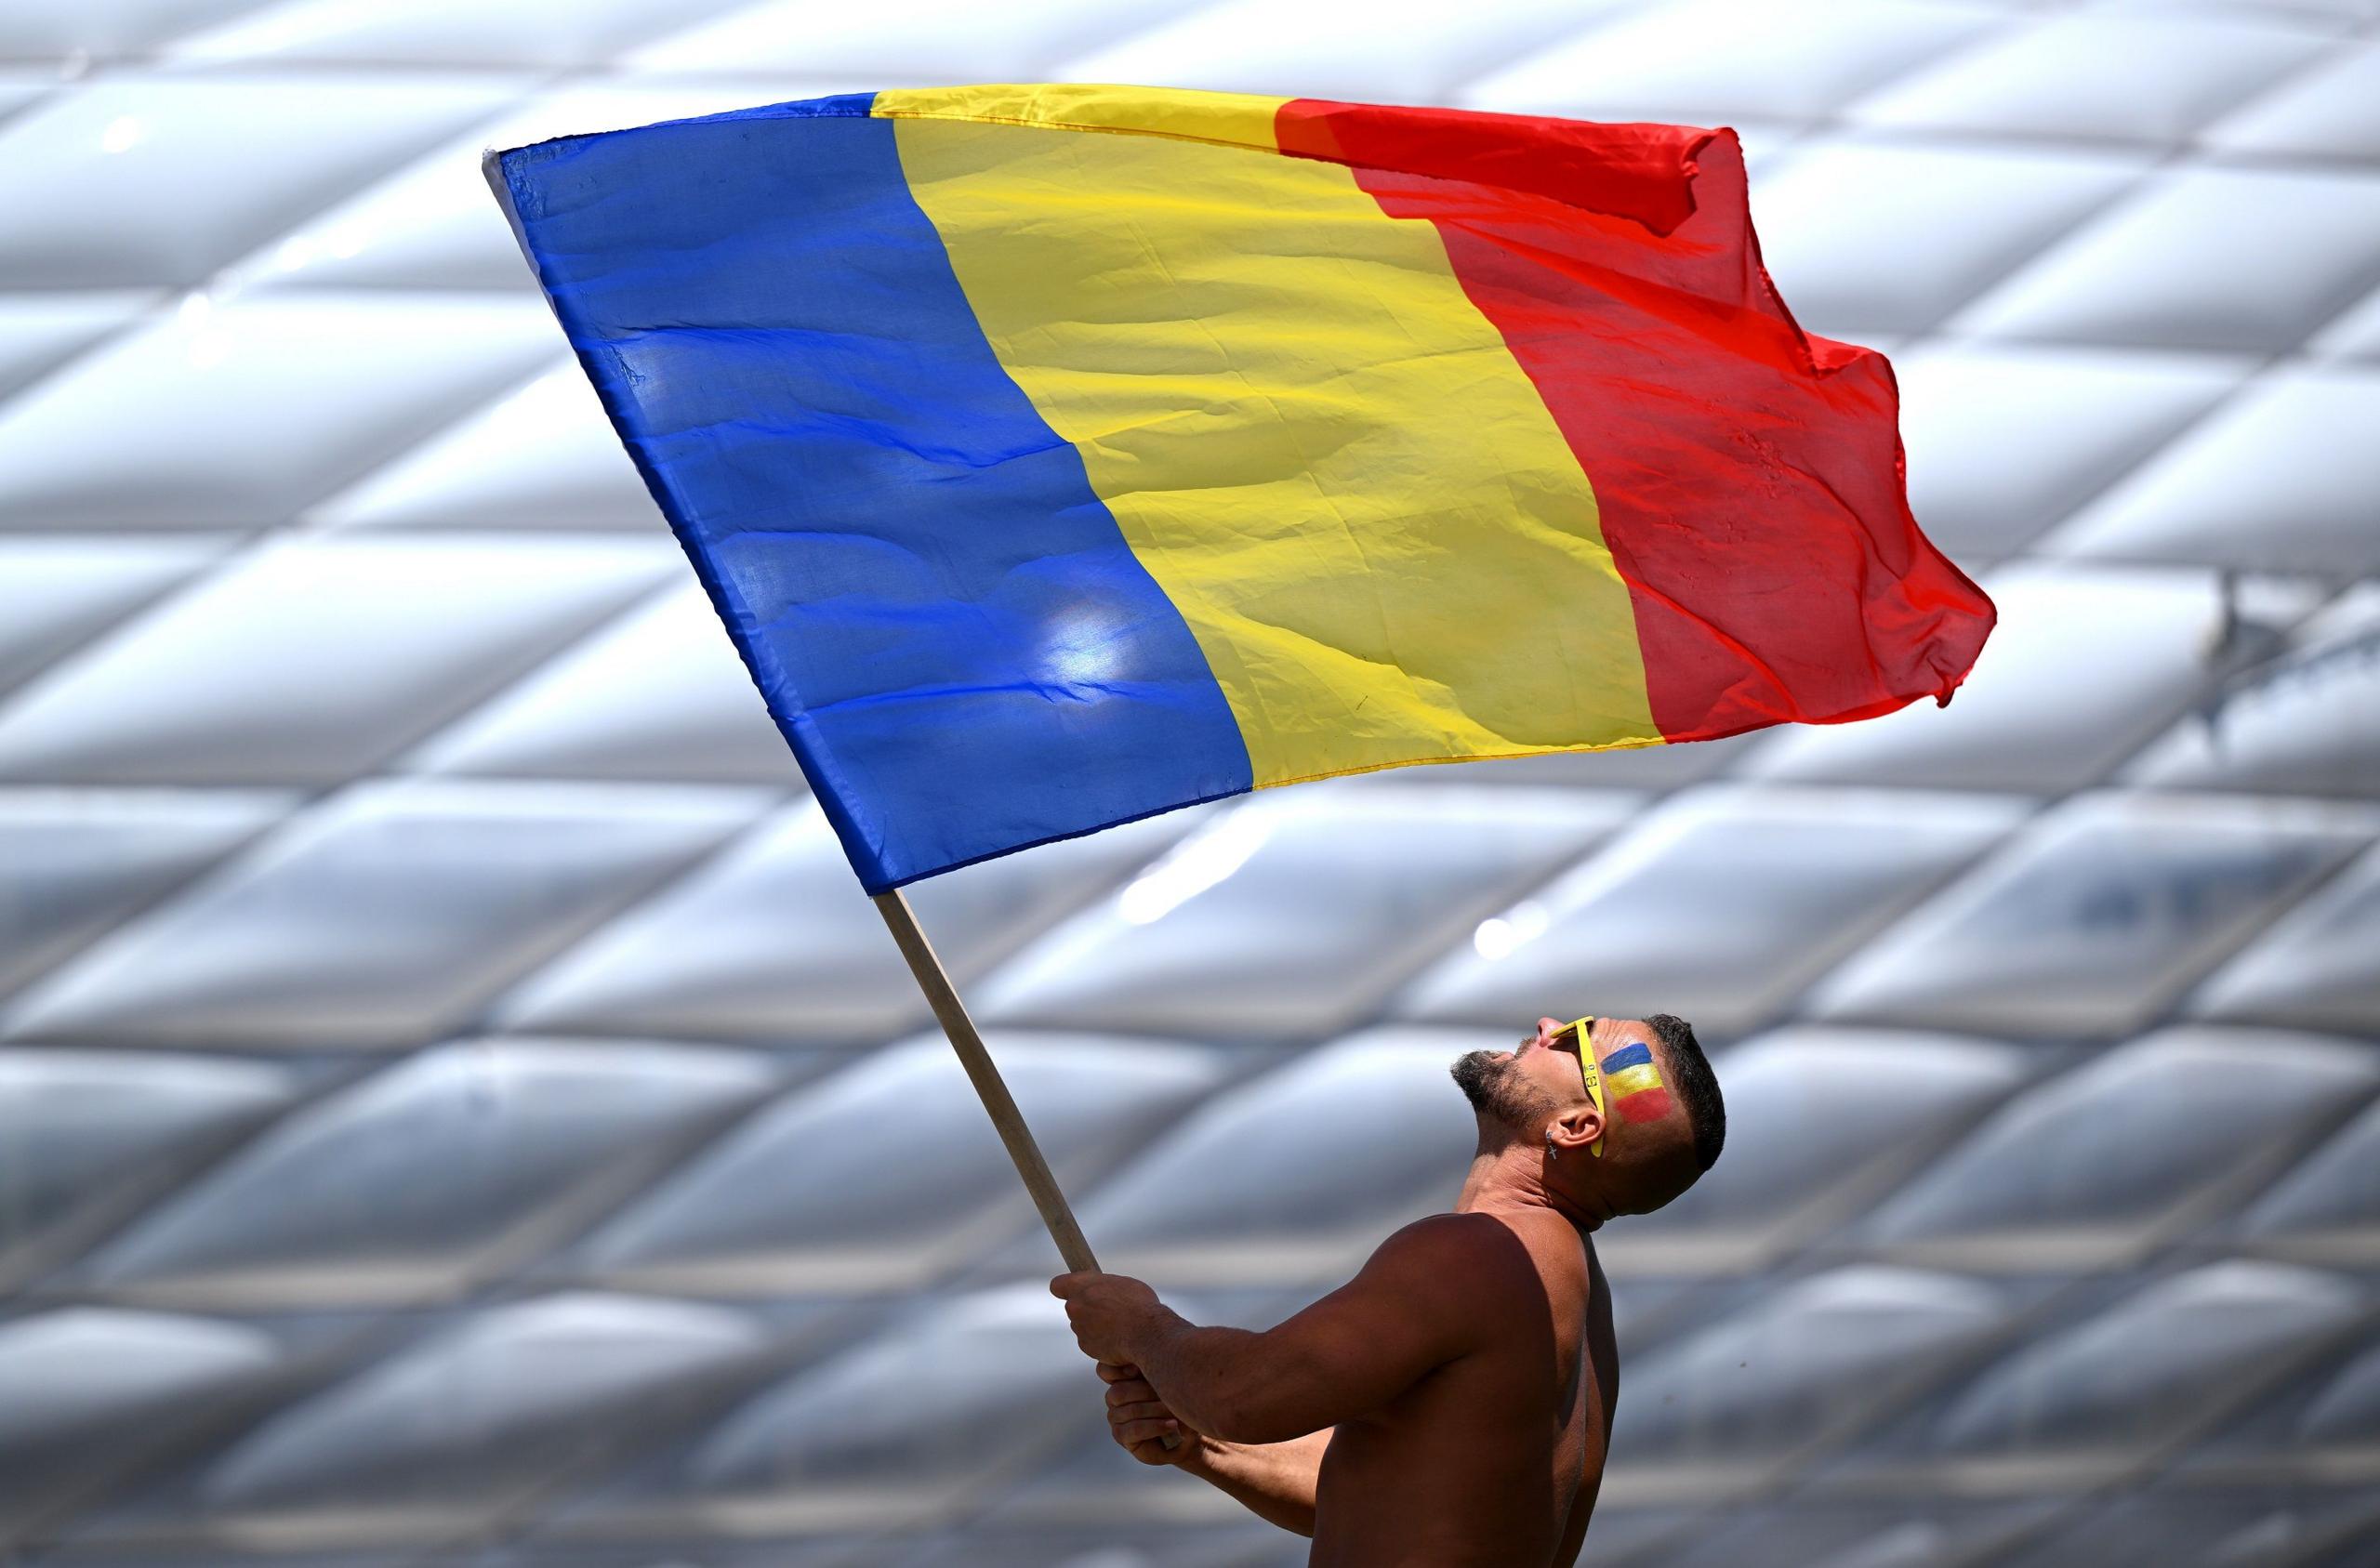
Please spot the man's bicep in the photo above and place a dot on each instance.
(1373, 1338)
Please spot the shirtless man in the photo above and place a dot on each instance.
(1450, 1406)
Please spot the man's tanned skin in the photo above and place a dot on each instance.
(1450, 1406)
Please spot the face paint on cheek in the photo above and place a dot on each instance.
(1632, 1084)
(1651, 1105)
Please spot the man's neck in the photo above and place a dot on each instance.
(1508, 1176)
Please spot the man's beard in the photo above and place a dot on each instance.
(1494, 1089)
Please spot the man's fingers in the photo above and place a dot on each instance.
(1118, 1371)
(1129, 1392)
(1134, 1433)
(1065, 1287)
(1140, 1410)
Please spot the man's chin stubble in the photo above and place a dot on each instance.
(1487, 1085)
(1471, 1072)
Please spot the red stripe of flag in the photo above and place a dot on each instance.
(1748, 477)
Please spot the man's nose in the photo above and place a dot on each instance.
(1548, 1025)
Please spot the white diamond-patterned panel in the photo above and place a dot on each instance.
(457, 1108)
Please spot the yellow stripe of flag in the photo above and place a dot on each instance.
(1233, 119)
(1310, 437)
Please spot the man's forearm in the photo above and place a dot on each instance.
(1273, 1481)
(1217, 1380)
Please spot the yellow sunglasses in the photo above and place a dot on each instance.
(1581, 1034)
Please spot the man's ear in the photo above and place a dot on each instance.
(1575, 1128)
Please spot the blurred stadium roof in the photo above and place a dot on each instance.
(456, 1107)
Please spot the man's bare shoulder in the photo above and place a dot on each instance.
(1454, 1257)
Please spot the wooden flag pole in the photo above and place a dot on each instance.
(1007, 1120)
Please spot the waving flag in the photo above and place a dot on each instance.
(1057, 455)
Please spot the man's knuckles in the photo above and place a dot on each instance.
(1146, 1438)
(1129, 1392)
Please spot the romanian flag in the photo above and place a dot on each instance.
(1057, 455)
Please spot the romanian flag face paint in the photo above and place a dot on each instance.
(1631, 1085)
(1057, 455)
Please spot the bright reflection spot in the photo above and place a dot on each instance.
(295, 251)
(1503, 935)
(194, 310)
(1196, 865)
(347, 241)
(124, 133)
(1085, 648)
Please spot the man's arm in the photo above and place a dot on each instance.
(1273, 1481)
(1398, 1321)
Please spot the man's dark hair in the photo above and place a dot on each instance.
(1696, 1087)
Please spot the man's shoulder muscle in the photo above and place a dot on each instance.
(1449, 1259)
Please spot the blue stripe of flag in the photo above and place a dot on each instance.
(940, 614)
